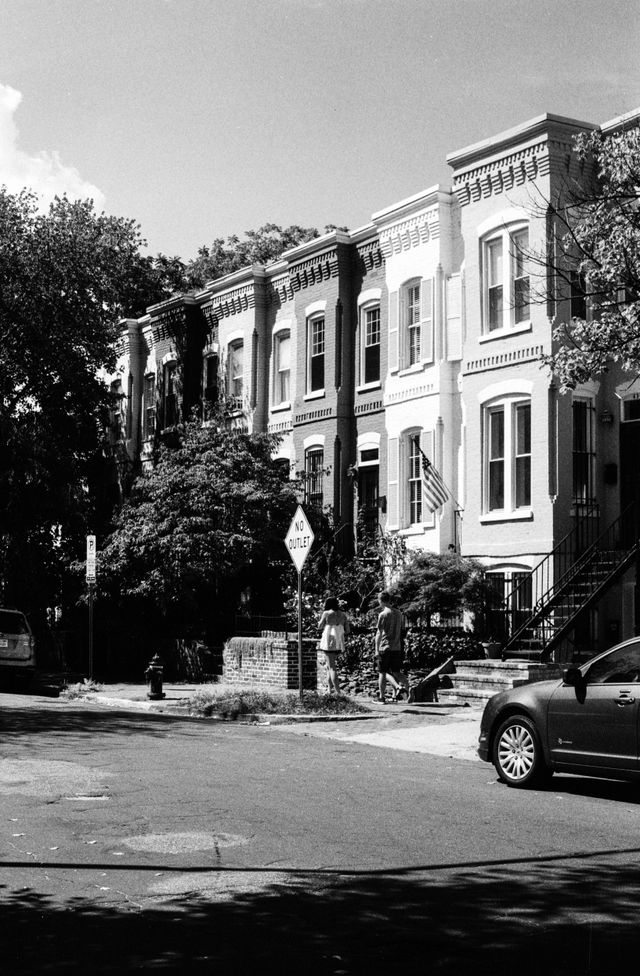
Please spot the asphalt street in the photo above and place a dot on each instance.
(137, 840)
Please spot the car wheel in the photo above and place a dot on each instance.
(517, 753)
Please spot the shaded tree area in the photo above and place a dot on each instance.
(593, 259)
(445, 584)
(553, 915)
(159, 277)
(65, 279)
(261, 246)
(204, 525)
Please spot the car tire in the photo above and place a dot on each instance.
(517, 753)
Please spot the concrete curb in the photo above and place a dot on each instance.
(164, 707)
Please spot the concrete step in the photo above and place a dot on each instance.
(477, 681)
(473, 696)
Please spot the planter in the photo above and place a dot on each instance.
(492, 650)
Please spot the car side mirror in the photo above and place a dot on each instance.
(572, 676)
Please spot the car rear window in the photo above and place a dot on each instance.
(12, 622)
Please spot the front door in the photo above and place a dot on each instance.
(629, 454)
(368, 498)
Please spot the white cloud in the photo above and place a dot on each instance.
(44, 172)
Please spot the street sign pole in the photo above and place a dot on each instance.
(298, 541)
(91, 631)
(91, 582)
(300, 633)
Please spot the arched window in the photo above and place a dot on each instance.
(235, 372)
(505, 279)
(507, 455)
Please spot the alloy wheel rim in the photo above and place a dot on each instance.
(516, 752)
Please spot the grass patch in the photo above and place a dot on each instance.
(233, 703)
(79, 690)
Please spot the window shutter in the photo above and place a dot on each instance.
(453, 299)
(426, 324)
(393, 513)
(393, 332)
(426, 445)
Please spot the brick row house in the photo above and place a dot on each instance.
(422, 332)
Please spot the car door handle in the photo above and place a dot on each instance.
(624, 698)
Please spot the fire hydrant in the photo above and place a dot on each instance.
(154, 674)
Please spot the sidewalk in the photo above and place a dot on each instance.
(439, 729)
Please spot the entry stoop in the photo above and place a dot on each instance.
(475, 682)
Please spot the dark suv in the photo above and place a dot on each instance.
(17, 653)
(585, 723)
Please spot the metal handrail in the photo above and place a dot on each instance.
(562, 555)
(585, 570)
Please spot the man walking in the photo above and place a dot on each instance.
(388, 645)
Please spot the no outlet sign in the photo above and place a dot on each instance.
(299, 538)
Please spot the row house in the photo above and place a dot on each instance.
(422, 333)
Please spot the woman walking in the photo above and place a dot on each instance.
(334, 625)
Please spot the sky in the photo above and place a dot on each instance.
(206, 118)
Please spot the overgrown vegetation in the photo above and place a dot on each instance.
(233, 703)
(198, 528)
(593, 257)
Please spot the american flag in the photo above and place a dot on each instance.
(434, 490)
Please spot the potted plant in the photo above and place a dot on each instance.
(492, 648)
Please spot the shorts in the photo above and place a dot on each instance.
(389, 662)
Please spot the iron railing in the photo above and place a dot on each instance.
(576, 585)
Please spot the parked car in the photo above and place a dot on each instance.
(587, 722)
(17, 647)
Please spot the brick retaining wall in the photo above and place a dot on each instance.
(270, 661)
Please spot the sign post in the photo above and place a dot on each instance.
(91, 582)
(298, 541)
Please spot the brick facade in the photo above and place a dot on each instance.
(359, 347)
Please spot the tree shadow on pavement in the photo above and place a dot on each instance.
(559, 917)
(18, 722)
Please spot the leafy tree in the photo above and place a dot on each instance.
(207, 521)
(259, 246)
(595, 246)
(65, 278)
(445, 584)
(154, 280)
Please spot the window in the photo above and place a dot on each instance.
(413, 324)
(578, 307)
(315, 353)
(631, 408)
(210, 379)
(415, 479)
(235, 373)
(584, 452)
(313, 470)
(282, 368)
(129, 420)
(116, 408)
(149, 407)
(620, 667)
(506, 280)
(370, 344)
(507, 456)
(169, 398)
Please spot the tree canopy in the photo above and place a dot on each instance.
(66, 277)
(595, 249)
(202, 524)
(261, 246)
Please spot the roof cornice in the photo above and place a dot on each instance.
(513, 140)
(430, 197)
